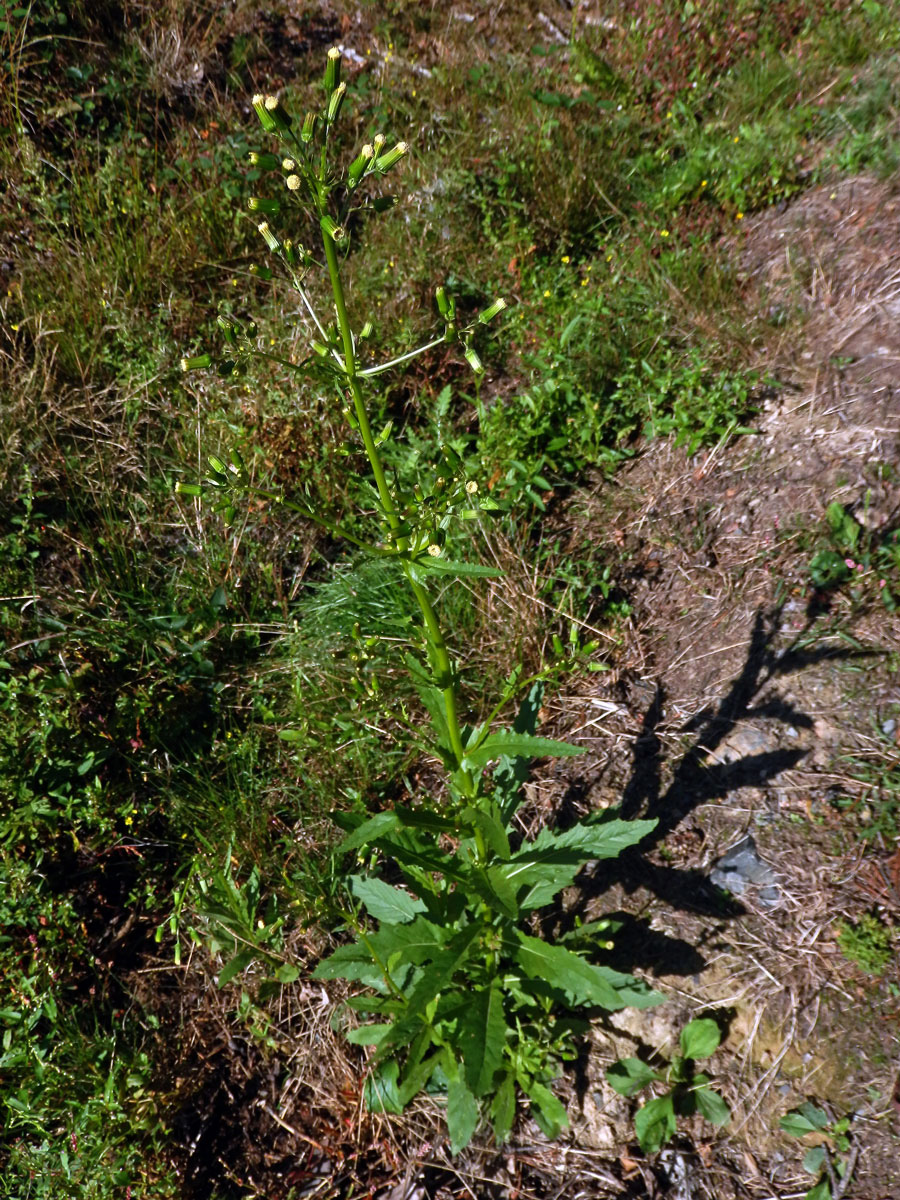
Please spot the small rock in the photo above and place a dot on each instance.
(741, 868)
(888, 726)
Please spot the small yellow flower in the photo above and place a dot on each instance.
(565, 258)
(736, 139)
(703, 183)
(584, 283)
(546, 291)
(739, 216)
(664, 233)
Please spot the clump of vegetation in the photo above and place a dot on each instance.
(867, 942)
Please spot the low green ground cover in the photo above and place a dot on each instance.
(150, 658)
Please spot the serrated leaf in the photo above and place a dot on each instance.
(409, 942)
(552, 860)
(581, 982)
(437, 974)
(488, 821)
(700, 1038)
(383, 902)
(481, 1038)
(712, 1106)
(491, 884)
(462, 1115)
(353, 962)
(503, 1109)
(654, 1123)
(235, 965)
(509, 744)
(446, 566)
(547, 1110)
(629, 1075)
(369, 831)
(287, 973)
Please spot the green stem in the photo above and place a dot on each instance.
(441, 664)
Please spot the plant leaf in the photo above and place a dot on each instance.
(700, 1038)
(581, 982)
(481, 1038)
(509, 744)
(353, 962)
(383, 902)
(368, 831)
(552, 860)
(547, 1110)
(503, 1109)
(712, 1106)
(445, 566)
(654, 1123)
(629, 1075)
(367, 1035)
(808, 1118)
(235, 965)
(814, 1160)
(380, 1092)
(462, 1115)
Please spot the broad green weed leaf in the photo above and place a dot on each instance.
(547, 1110)
(494, 888)
(822, 1191)
(353, 962)
(488, 821)
(552, 860)
(383, 902)
(814, 1160)
(808, 1118)
(235, 965)
(444, 566)
(462, 1115)
(481, 1038)
(367, 1035)
(582, 982)
(700, 1038)
(412, 942)
(417, 1077)
(629, 1075)
(507, 743)
(503, 1109)
(654, 1123)
(712, 1106)
(369, 831)
(381, 1093)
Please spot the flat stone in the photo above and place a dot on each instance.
(741, 870)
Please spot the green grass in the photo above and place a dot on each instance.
(150, 657)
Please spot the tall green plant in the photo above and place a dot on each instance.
(460, 996)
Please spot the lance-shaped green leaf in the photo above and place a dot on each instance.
(509, 744)
(581, 981)
(481, 1037)
(547, 1110)
(353, 962)
(462, 1115)
(487, 820)
(446, 566)
(415, 942)
(367, 831)
(503, 1109)
(437, 974)
(552, 860)
(494, 888)
(381, 1092)
(383, 902)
